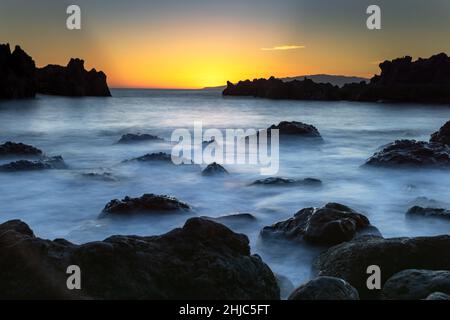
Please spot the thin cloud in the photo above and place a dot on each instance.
(287, 47)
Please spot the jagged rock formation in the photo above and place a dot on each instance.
(17, 74)
(72, 80)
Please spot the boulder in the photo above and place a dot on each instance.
(18, 149)
(17, 74)
(325, 288)
(350, 260)
(27, 165)
(443, 135)
(279, 181)
(148, 203)
(72, 80)
(330, 225)
(416, 284)
(202, 260)
(295, 128)
(411, 153)
(214, 169)
(417, 211)
(134, 138)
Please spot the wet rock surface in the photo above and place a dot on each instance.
(418, 211)
(214, 169)
(147, 204)
(202, 260)
(443, 135)
(296, 128)
(325, 288)
(27, 165)
(136, 138)
(280, 181)
(18, 149)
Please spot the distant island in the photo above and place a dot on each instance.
(400, 80)
(19, 77)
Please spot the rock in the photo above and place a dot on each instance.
(279, 181)
(160, 157)
(72, 80)
(416, 284)
(438, 296)
(428, 212)
(133, 138)
(18, 149)
(104, 176)
(295, 128)
(330, 225)
(285, 285)
(412, 153)
(17, 74)
(214, 169)
(443, 135)
(233, 218)
(202, 260)
(350, 260)
(148, 203)
(26, 165)
(325, 288)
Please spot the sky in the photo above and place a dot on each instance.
(201, 43)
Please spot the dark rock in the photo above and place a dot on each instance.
(160, 157)
(416, 284)
(18, 149)
(133, 138)
(233, 218)
(350, 260)
(330, 225)
(17, 74)
(202, 260)
(438, 296)
(412, 153)
(295, 128)
(428, 212)
(214, 169)
(148, 203)
(26, 165)
(325, 288)
(72, 80)
(104, 176)
(443, 135)
(279, 181)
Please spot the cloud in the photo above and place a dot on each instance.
(286, 47)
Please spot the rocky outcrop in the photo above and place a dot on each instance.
(279, 181)
(148, 203)
(417, 211)
(214, 169)
(202, 260)
(412, 153)
(416, 284)
(17, 74)
(134, 138)
(350, 260)
(330, 225)
(400, 80)
(443, 135)
(27, 165)
(72, 80)
(325, 288)
(18, 149)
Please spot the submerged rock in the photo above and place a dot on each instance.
(416, 284)
(325, 288)
(295, 128)
(26, 165)
(233, 218)
(279, 181)
(350, 260)
(202, 260)
(133, 138)
(443, 135)
(160, 157)
(214, 169)
(330, 225)
(412, 153)
(148, 203)
(417, 211)
(438, 296)
(18, 149)
(104, 176)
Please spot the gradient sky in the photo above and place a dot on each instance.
(198, 43)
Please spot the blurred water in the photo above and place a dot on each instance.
(63, 203)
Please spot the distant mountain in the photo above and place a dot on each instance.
(339, 81)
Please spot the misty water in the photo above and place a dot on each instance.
(66, 204)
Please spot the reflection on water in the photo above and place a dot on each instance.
(66, 203)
